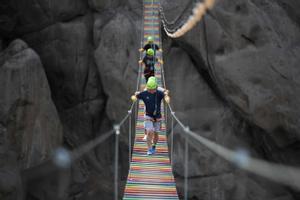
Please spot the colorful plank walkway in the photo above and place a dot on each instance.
(150, 177)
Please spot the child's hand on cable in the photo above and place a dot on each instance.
(133, 98)
(166, 92)
(167, 99)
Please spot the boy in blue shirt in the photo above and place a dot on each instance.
(152, 99)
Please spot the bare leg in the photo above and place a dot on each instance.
(145, 135)
(155, 138)
(156, 133)
(149, 139)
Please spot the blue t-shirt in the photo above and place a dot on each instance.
(150, 100)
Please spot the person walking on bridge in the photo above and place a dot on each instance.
(165, 91)
(152, 99)
(149, 63)
(150, 45)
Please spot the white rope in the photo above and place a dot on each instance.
(198, 12)
(162, 66)
(152, 7)
(80, 151)
(168, 23)
(116, 175)
(129, 137)
(138, 82)
(275, 172)
(172, 139)
(186, 168)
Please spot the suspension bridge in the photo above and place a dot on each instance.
(151, 177)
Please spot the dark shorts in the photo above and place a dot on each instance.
(148, 75)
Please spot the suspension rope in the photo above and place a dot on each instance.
(198, 12)
(95, 142)
(162, 68)
(279, 173)
(172, 139)
(153, 36)
(276, 172)
(152, 8)
(63, 158)
(139, 74)
(186, 168)
(162, 73)
(116, 175)
(80, 151)
(162, 13)
(168, 23)
(144, 179)
(138, 82)
(129, 137)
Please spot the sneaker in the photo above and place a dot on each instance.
(145, 138)
(153, 149)
(149, 152)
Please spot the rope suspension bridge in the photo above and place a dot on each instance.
(151, 177)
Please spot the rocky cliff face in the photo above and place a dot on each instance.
(233, 79)
(247, 54)
(30, 126)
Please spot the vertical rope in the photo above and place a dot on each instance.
(186, 154)
(163, 73)
(139, 77)
(117, 132)
(129, 136)
(153, 34)
(166, 115)
(172, 140)
(161, 55)
(141, 53)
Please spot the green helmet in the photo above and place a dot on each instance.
(150, 39)
(153, 78)
(152, 84)
(150, 52)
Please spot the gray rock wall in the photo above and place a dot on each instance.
(232, 79)
(23, 16)
(30, 126)
(252, 49)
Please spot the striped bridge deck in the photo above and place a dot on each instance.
(150, 177)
